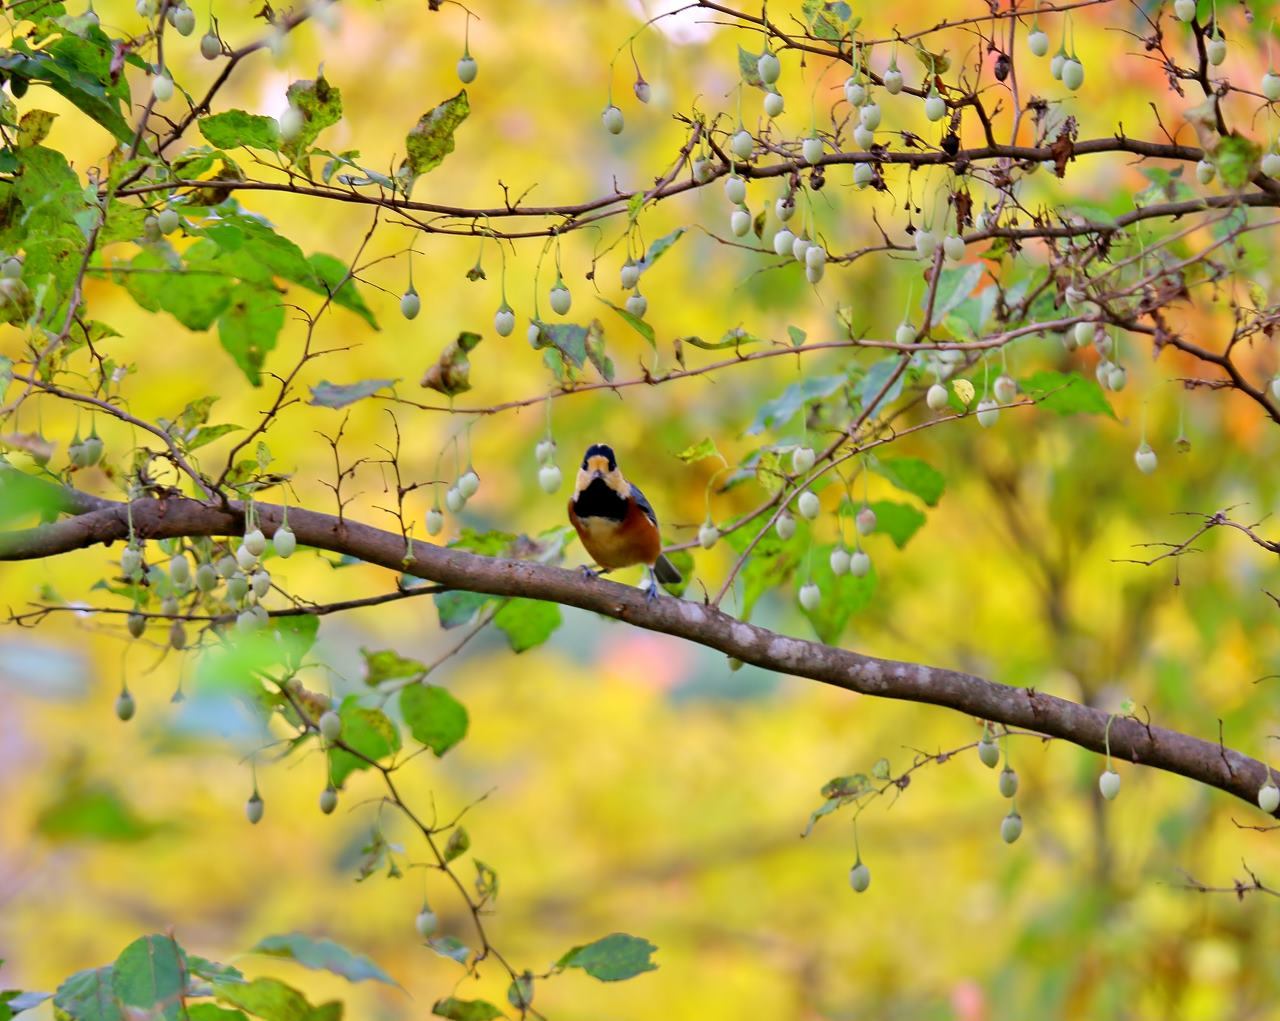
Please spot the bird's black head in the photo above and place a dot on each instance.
(600, 450)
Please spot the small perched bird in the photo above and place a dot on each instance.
(615, 522)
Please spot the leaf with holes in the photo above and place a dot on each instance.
(612, 959)
(451, 374)
(431, 140)
(912, 475)
(369, 731)
(433, 716)
(235, 128)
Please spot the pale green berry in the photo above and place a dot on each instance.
(870, 116)
(859, 564)
(560, 298)
(810, 596)
(802, 459)
(237, 587)
(1011, 827)
(137, 624)
(808, 504)
(425, 922)
(893, 80)
(936, 397)
(1005, 389)
(454, 500)
(768, 67)
(1216, 50)
(703, 170)
(330, 725)
(328, 800)
(1038, 42)
(468, 69)
(935, 107)
(735, 190)
(1109, 784)
(782, 241)
(469, 484)
(168, 220)
(811, 149)
(740, 222)
(1073, 74)
(184, 20)
(549, 478)
(637, 304)
(410, 304)
(1271, 164)
(180, 569)
(953, 247)
(773, 104)
(504, 321)
(988, 412)
(210, 45)
(612, 119)
(125, 706)
(1056, 65)
(284, 541)
(839, 561)
(708, 534)
(855, 92)
(291, 122)
(162, 87)
(1184, 10)
(865, 521)
(1145, 458)
(926, 242)
(1205, 171)
(785, 526)
(863, 137)
(255, 542)
(254, 807)
(1269, 797)
(177, 635)
(859, 878)
(131, 560)
(1117, 378)
(260, 583)
(785, 208)
(1008, 782)
(905, 333)
(742, 144)
(988, 751)
(630, 275)
(863, 174)
(545, 450)
(435, 521)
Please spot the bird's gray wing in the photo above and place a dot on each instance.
(643, 503)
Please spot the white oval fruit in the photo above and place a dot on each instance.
(859, 564)
(180, 570)
(870, 116)
(1184, 10)
(859, 878)
(905, 333)
(708, 535)
(260, 583)
(125, 706)
(435, 521)
(1216, 50)
(810, 596)
(642, 90)
(560, 298)
(1038, 42)
(1205, 171)
(544, 451)
(1084, 333)
(329, 796)
(893, 81)
(742, 144)
(330, 725)
(137, 624)
(782, 241)
(291, 122)
(988, 752)
(637, 304)
(703, 170)
(1269, 797)
(937, 397)
(935, 107)
(549, 478)
(808, 504)
(1145, 458)
(768, 67)
(1117, 377)
(454, 500)
(1011, 828)
(1109, 784)
(839, 561)
(739, 222)
(815, 256)
(468, 69)
(1008, 782)
(785, 526)
(799, 246)
(1271, 164)
(504, 321)
(865, 521)
(863, 174)
(245, 558)
(855, 92)
(735, 190)
(802, 459)
(255, 542)
(184, 20)
(162, 87)
(784, 208)
(168, 220)
(1056, 65)
(131, 560)
(469, 483)
(253, 808)
(988, 413)
(612, 119)
(177, 635)
(630, 275)
(1275, 386)
(953, 247)
(926, 242)
(1072, 74)
(773, 104)
(210, 45)
(864, 138)
(1005, 389)
(410, 304)
(425, 922)
(237, 587)
(811, 149)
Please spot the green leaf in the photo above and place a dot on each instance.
(527, 622)
(249, 327)
(13, 1002)
(1066, 393)
(272, 1000)
(432, 139)
(899, 521)
(339, 395)
(212, 1012)
(235, 128)
(771, 563)
(828, 19)
(87, 996)
(322, 955)
(914, 476)
(457, 608)
(874, 381)
(842, 596)
(779, 411)
(797, 335)
(89, 810)
(466, 1010)
(613, 958)
(388, 665)
(450, 947)
(704, 448)
(635, 322)
(572, 341)
(333, 277)
(34, 127)
(206, 434)
(458, 845)
(24, 496)
(748, 67)
(954, 288)
(451, 373)
(212, 971)
(434, 717)
(1236, 158)
(150, 975)
(320, 105)
(659, 246)
(368, 731)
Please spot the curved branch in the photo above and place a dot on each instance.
(1208, 762)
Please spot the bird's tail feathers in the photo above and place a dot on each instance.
(665, 571)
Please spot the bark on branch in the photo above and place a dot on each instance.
(103, 522)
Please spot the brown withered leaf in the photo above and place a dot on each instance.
(451, 374)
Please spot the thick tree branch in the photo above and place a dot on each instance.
(1208, 762)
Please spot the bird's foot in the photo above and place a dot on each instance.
(591, 572)
(651, 591)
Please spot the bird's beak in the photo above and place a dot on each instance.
(597, 474)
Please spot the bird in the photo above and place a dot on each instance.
(615, 522)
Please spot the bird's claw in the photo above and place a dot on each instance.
(651, 591)
(591, 572)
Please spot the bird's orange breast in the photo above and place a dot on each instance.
(633, 540)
